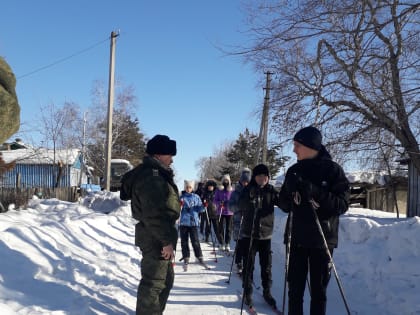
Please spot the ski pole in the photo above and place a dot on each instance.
(181, 203)
(221, 211)
(212, 237)
(247, 267)
(337, 278)
(220, 224)
(231, 265)
(235, 251)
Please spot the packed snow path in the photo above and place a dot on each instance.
(61, 258)
(200, 291)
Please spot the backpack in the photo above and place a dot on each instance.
(126, 185)
(126, 190)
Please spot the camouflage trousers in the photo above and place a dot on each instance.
(157, 278)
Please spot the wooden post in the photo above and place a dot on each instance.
(262, 138)
(107, 178)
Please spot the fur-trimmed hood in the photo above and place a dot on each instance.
(226, 177)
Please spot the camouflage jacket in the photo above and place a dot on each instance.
(154, 201)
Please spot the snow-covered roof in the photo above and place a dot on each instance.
(373, 177)
(366, 177)
(40, 156)
(122, 161)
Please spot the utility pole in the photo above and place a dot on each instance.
(107, 179)
(83, 158)
(262, 138)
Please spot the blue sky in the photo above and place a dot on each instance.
(186, 87)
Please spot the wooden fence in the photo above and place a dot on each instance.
(20, 196)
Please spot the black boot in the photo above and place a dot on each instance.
(269, 298)
(248, 299)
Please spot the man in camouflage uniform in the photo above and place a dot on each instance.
(155, 204)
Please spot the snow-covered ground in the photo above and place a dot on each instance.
(78, 258)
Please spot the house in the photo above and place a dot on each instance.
(41, 167)
(379, 191)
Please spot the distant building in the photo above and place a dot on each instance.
(41, 167)
(378, 191)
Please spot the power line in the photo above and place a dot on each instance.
(63, 59)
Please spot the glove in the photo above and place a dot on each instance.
(181, 202)
(205, 203)
(305, 188)
(310, 191)
(293, 182)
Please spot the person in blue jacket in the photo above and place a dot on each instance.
(191, 207)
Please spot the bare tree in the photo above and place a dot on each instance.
(127, 140)
(59, 127)
(217, 165)
(350, 67)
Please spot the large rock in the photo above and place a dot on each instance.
(9, 106)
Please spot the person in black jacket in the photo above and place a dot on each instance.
(257, 202)
(210, 212)
(314, 187)
(203, 217)
(244, 180)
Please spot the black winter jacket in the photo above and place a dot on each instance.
(208, 197)
(261, 202)
(330, 190)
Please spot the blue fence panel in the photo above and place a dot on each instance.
(38, 175)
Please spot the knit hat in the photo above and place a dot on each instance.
(211, 182)
(260, 169)
(189, 183)
(245, 175)
(310, 137)
(161, 144)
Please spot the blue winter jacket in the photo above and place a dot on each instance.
(191, 207)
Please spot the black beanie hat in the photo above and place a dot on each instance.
(211, 182)
(260, 169)
(310, 137)
(161, 144)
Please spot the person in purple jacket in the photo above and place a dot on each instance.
(221, 200)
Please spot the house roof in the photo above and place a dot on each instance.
(40, 156)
